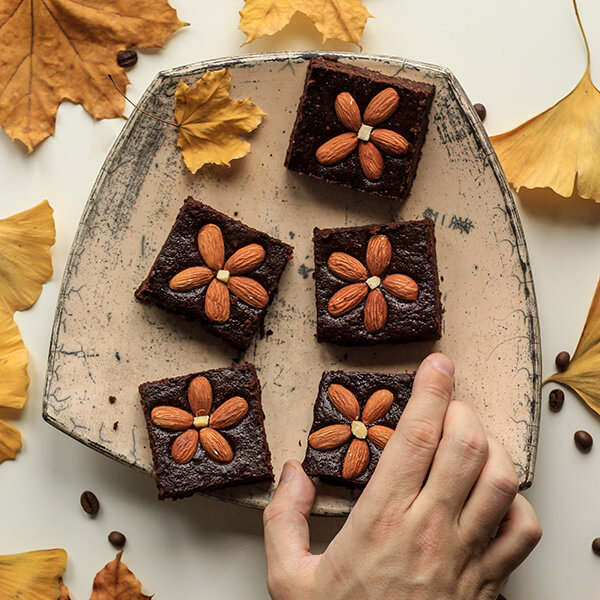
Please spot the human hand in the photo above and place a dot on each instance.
(440, 519)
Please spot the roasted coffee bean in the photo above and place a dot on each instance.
(117, 539)
(562, 360)
(583, 441)
(556, 400)
(127, 58)
(89, 503)
(596, 546)
(480, 110)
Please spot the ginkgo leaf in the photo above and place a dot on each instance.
(559, 148)
(56, 50)
(10, 444)
(210, 122)
(338, 19)
(13, 363)
(64, 591)
(583, 373)
(115, 580)
(32, 575)
(25, 262)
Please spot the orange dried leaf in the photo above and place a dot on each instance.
(210, 122)
(115, 580)
(10, 443)
(13, 363)
(63, 50)
(64, 590)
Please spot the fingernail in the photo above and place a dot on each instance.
(442, 363)
(287, 473)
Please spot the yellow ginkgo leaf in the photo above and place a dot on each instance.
(25, 262)
(210, 122)
(13, 363)
(10, 444)
(583, 373)
(32, 575)
(560, 146)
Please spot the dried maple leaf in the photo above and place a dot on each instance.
(55, 50)
(115, 580)
(32, 575)
(210, 122)
(583, 373)
(561, 146)
(338, 19)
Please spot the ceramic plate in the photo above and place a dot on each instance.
(105, 343)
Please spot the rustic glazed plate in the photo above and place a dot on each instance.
(105, 343)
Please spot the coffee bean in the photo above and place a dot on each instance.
(480, 110)
(127, 58)
(556, 400)
(596, 546)
(562, 360)
(117, 539)
(89, 503)
(583, 441)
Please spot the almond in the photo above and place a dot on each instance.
(379, 435)
(357, 459)
(346, 267)
(371, 160)
(190, 279)
(211, 246)
(337, 148)
(347, 111)
(347, 298)
(379, 254)
(200, 396)
(381, 107)
(375, 311)
(217, 303)
(389, 141)
(184, 446)
(401, 286)
(171, 418)
(249, 291)
(377, 406)
(216, 446)
(230, 413)
(344, 400)
(330, 437)
(245, 259)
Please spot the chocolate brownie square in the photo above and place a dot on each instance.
(377, 284)
(216, 269)
(354, 416)
(206, 431)
(360, 128)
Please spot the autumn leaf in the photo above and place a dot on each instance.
(583, 373)
(13, 363)
(210, 122)
(56, 50)
(32, 575)
(342, 20)
(115, 580)
(64, 591)
(560, 148)
(10, 442)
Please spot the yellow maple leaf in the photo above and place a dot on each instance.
(56, 50)
(583, 373)
(25, 262)
(32, 575)
(559, 147)
(210, 122)
(338, 19)
(115, 580)
(13, 363)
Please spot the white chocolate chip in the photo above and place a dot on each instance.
(373, 282)
(364, 133)
(200, 422)
(359, 430)
(223, 276)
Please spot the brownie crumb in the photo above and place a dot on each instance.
(115, 425)
(112, 399)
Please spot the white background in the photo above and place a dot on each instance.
(517, 58)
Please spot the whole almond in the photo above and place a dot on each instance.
(330, 437)
(217, 304)
(347, 111)
(346, 267)
(230, 413)
(211, 246)
(401, 286)
(171, 418)
(379, 254)
(344, 400)
(389, 141)
(377, 406)
(249, 291)
(184, 446)
(371, 160)
(357, 459)
(381, 107)
(245, 259)
(379, 435)
(375, 311)
(200, 396)
(190, 279)
(337, 148)
(347, 298)
(216, 446)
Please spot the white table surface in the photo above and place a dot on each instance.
(517, 58)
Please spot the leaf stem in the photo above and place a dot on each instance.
(587, 47)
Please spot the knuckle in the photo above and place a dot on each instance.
(471, 444)
(272, 512)
(504, 481)
(532, 532)
(420, 435)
